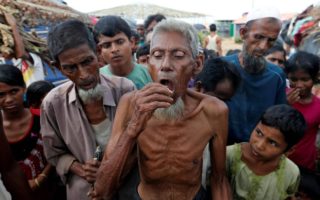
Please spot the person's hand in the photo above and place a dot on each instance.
(10, 19)
(94, 195)
(33, 185)
(146, 101)
(90, 169)
(293, 95)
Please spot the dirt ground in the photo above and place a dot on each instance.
(228, 43)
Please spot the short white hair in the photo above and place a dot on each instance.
(185, 29)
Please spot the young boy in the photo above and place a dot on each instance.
(259, 169)
(114, 44)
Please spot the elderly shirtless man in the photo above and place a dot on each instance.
(170, 125)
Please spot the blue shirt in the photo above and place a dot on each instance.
(255, 94)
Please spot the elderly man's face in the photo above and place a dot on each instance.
(81, 66)
(260, 36)
(171, 55)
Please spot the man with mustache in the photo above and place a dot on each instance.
(115, 43)
(263, 83)
(77, 116)
(169, 125)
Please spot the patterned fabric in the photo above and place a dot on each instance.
(28, 151)
(279, 184)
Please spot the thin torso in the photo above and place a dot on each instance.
(170, 156)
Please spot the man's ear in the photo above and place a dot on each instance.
(198, 65)
(243, 32)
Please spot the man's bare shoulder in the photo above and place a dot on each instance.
(211, 105)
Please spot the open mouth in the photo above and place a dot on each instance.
(168, 83)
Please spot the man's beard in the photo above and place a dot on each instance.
(172, 113)
(92, 94)
(253, 64)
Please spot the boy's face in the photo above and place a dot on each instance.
(116, 50)
(143, 60)
(266, 143)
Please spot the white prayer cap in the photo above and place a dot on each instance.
(266, 12)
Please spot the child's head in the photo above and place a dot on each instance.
(288, 121)
(142, 54)
(110, 26)
(12, 88)
(36, 91)
(276, 55)
(302, 70)
(219, 78)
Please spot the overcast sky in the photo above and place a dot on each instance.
(216, 8)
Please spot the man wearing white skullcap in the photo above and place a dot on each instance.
(260, 13)
(263, 84)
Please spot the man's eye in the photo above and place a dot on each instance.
(306, 79)
(293, 79)
(87, 61)
(14, 91)
(179, 54)
(273, 143)
(157, 54)
(258, 132)
(105, 45)
(259, 37)
(121, 41)
(273, 59)
(70, 69)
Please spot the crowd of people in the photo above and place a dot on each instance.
(155, 113)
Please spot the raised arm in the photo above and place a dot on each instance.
(11, 174)
(220, 187)
(134, 110)
(20, 51)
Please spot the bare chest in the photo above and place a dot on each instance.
(173, 149)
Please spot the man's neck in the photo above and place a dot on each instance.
(123, 70)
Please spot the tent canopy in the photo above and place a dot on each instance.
(142, 11)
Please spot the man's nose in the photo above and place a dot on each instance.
(114, 47)
(83, 72)
(264, 45)
(166, 64)
(8, 98)
(260, 144)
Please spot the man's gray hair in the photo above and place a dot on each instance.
(185, 29)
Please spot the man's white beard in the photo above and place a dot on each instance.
(92, 94)
(172, 113)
